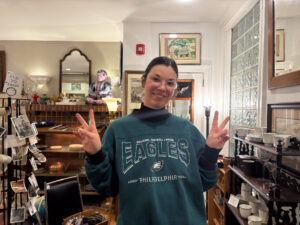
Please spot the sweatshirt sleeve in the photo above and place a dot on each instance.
(207, 159)
(100, 168)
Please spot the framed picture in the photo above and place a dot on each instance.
(184, 48)
(279, 45)
(185, 89)
(284, 118)
(183, 103)
(134, 92)
(76, 86)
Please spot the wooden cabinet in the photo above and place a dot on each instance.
(216, 199)
(65, 162)
(279, 188)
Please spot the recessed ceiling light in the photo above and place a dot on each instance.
(184, 1)
(68, 69)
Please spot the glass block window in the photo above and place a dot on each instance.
(244, 72)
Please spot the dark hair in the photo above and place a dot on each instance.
(101, 71)
(161, 60)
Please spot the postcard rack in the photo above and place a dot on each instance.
(11, 171)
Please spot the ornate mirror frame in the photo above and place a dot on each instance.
(62, 60)
(288, 79)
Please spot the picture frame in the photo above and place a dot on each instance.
(75, 86)
(2, 69)
(184, 48)
(284, 118)
(182, 104)
(133, 91)
(279, 45)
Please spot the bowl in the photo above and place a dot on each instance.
(254, 220)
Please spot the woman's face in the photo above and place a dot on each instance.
(159, 86)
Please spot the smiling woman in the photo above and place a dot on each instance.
(153, 150)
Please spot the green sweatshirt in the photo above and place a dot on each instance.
(159, 168)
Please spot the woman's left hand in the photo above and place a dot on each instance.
(218, 135)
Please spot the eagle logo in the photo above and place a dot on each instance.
(157, 166)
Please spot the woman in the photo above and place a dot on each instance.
(158, 163)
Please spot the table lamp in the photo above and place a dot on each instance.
(112, 106)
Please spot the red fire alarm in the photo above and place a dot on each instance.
(140, 49)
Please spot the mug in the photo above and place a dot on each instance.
(242, 132)
(255, 203)
(263, 213)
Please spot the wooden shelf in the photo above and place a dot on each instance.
(47, 130)
(236, 213)
(216, 221)
(89, 193)
(221, 208)
(62, 151)
(222, 170)
(60, 174)
(273, 150)
(262, 187)
(220, 187)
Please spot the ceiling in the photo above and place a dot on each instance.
(102, 20)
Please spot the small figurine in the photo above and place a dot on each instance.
(53, 99)
(35, 98)
(61, 96)
(43, 99)
(100, 89)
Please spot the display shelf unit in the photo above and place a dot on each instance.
(216, 211)
(280, 189)
(14, 170)
(71, 160)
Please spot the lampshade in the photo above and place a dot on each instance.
(40, 79)
(112, 103)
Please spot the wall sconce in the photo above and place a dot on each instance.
(112, 105)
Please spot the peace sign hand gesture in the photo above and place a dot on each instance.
(218, 135)
(88, 135)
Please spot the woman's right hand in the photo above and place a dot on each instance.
(88, 134)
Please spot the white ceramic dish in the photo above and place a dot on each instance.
(268, 138)
(245, 210)
(285, 140)
(254, 138)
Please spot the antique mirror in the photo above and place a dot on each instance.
(283, 43)
(183, 103)
(75, 74)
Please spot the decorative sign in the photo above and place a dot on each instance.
(233, 200)
(13, 84)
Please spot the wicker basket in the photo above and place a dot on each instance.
(87, 213)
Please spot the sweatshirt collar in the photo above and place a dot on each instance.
(147, 114)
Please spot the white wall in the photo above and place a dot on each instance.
(148, 34)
